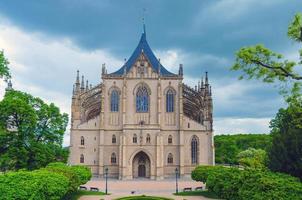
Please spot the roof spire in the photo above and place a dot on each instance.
(144, 25)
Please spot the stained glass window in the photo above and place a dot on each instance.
(82, 158)
(113, 139)
(194, 150)
(114, 101)
(170, 101)
(113, 158)
(170, 139)
(82, 140)
(170, 158)
(142, 100)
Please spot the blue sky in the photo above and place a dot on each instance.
(47, 41)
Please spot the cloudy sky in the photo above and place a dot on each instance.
(47, 41)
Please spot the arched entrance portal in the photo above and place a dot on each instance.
(141, 165)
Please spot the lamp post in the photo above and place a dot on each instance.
(106, 176)
(176, 177)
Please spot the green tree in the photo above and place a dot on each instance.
(227, 147)
(259, 62)
(253, 158)
(31, 132)
(262, 63)
(4, 70)
(285, 154)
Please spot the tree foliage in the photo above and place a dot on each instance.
(31, 132)
(227, 147)
(253, 158)
(285, 154)
(4, 70)
(259, 62)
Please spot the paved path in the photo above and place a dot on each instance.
(163, 188)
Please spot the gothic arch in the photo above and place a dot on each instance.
(169, 88)
(142, 84)
(144, 151)
(114, 87)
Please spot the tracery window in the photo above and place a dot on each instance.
(114, 101)
(134, 138)
(113, 139)
(82, 158)
(113, 158)
(82, 140)
(194, 150)
(170, 158)
(170, 101)
(148, 139)
(142, 99)
(170, 139)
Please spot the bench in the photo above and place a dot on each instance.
(187, 189)
(198, 188)
(83, 188)
(94, 189)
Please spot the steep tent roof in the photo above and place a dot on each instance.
(144, 47)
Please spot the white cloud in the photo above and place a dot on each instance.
(46, 68)
(241, 125)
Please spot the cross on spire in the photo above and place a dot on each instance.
(144, 26)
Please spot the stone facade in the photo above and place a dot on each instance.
(141, 121)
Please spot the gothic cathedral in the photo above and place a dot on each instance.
(141, 121)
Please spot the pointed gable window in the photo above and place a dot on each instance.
(142, 99)
(114, 101)
(194, 150)
(170, 101)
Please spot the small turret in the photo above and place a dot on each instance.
(9, 85)
(103, 68)
(73, 90)
(77, 83)
(180, 71)
(159, 66)
(82, 84)
(87, 86)
(207, 81)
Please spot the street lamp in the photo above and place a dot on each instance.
(176, 177)
(106, 176)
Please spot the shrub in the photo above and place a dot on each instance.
(233, 183)
(34, 185)
(68, 172)
(54, 182)
(201, 173)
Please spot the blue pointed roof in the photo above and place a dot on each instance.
(144, 47)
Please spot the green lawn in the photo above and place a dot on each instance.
(143, 197)
(80, 193)
(204, 193)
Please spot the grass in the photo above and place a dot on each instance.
(80, 193)
(143, 197)
(204, 193)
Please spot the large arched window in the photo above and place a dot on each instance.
(114, 101)
(113, 158)
(142, 99)
(194, 150)
(134, 138)
(170, 158)
(170, 101)
(82, 140)
(82, 158)
(170, 139)
(113, 139)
